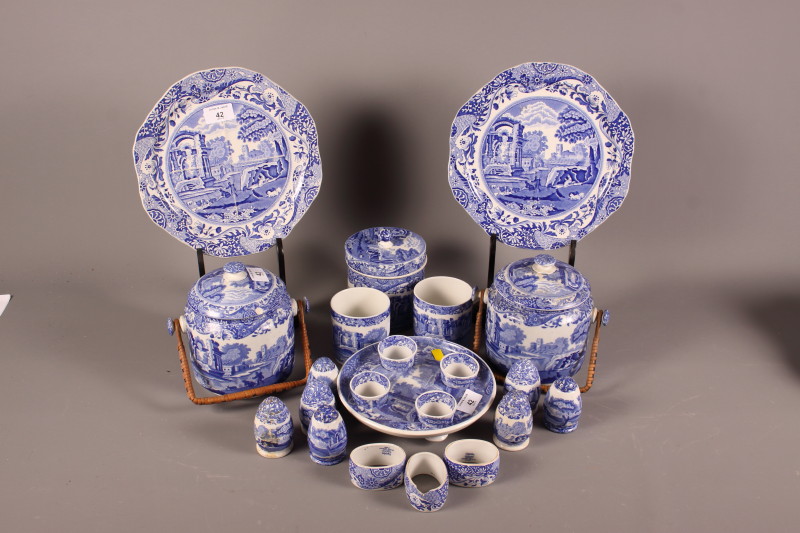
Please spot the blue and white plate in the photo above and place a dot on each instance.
(227, 161)
(397, 415)
(540, 156)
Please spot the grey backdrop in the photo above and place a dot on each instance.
(692, 423)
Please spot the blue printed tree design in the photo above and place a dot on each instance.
(535, 144)
(511, 335)
(574, 126)
(254, 125)
(234, 354)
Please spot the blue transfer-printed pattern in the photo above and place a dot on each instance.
(554, 340)
(458, 358)
(431, 397)
(273, 427)
(214, 296)
(467, 475)
(400, 291)
(315, 394)
(561, 414)
(386, 477)
(327, 437)
(399, 413)
(452, 323)
(347, 341)
(523, 287)
(224, 367)
(377, 478)
(385, 252)
(366, 403)
(541, 155)
(433, 500)
(360, 322)
(241, 332)
(524, 377)
(400, 343)
(513, 421)
(565, 385)
(325, 370)
(228, 187)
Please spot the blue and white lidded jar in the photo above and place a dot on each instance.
(273, 428)
(513, 422)
(540, 309)
(327, 437)
(562, 406)
(391, 260)
(240, 324)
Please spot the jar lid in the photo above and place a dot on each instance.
(542, 283)
(385, 251)
(232, 293)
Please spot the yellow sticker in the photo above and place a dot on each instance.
(437, 354)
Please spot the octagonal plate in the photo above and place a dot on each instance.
(227, 161)
(541, 155)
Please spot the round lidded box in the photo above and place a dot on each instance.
(241, 329)
(540, 309)
(391, 260)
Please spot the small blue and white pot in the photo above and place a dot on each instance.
(397, 353)
(435, 408)
(443, 308)
(391, 260)
(539, 309)
(472, 462)
(458, 369)
(360, 317)
(240, 328)
(377, 466)
(562, 406)
(513, 422)
(325, 370)
(524, 377)
(327, 437)
(423, 498)
(316, 393)
(369, 390)
(273, 428)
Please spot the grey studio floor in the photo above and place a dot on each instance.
(691, 424)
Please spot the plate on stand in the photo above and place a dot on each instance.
(227, 161)
(540, 156)
(398, 416)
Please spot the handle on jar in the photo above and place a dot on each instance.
(306, 305)
(171, 324)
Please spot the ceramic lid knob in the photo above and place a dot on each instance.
(234, 271)
(544, 264)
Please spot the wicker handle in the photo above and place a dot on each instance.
(250, 393)
(598, 323)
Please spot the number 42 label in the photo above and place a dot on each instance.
(469, 402)
(218, 113)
